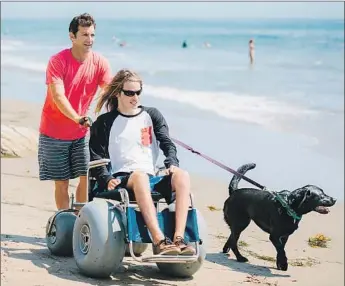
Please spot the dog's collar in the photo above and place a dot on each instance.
(286, 206)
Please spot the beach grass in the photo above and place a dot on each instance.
(213, 208)
(319, 240)
(242, 243)
(6, 155)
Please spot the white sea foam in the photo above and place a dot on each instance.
(23, 63)
(10, 45)
(252, 109)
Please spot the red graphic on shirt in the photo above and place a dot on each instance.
(146, 136)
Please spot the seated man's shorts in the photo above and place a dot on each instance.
(158, 184)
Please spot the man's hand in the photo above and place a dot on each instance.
(113, 183)
(83, 120)
(171, 170)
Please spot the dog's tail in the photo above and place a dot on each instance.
(236, 179)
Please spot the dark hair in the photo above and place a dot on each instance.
(83, 20)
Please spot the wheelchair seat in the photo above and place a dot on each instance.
(97, 192)
(115, 195)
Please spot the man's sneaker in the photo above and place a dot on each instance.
(166, 247)
(184, 247)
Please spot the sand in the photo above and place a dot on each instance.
(27, 203)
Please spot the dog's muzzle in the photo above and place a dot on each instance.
(323, 209)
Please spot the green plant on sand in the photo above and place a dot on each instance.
(318, 240)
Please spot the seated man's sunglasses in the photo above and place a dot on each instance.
(131, 93)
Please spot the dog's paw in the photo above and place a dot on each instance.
(242, 259)
(282, 266)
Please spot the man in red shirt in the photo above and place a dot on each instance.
(72, 77)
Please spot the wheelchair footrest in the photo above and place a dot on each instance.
(170, 258)
(166, 258)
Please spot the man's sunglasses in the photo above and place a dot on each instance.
(131, 93)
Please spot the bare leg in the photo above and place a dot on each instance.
(81, 192)
(181, 185)
(61, 194)
(251, 56)
(139, 183)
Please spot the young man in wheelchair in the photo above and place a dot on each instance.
(130, 135)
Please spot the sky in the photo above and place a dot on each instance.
(116, 10)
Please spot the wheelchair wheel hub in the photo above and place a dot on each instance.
(52, 235)
(85, 239)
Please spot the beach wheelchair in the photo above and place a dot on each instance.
(110, 226)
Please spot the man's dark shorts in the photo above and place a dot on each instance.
(61, 160)
(159, 184)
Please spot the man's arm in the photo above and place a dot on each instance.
(54, 80)
(58, 92)
(161, 130)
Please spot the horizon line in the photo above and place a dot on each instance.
(182, 17)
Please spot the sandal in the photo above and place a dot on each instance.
(184, 247)
(166, 247)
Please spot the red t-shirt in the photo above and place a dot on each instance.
(81, 81)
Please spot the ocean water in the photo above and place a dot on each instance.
(286, 113)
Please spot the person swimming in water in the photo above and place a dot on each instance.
(122, 44)
(184, 44)
(251, 51)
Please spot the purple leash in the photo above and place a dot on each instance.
(219, 164)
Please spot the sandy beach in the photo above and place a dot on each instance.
(27, 203)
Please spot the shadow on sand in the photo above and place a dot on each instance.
(65, 267)
(248, 268)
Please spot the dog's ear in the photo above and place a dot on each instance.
(298, 197)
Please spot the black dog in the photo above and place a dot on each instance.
(248, 204)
